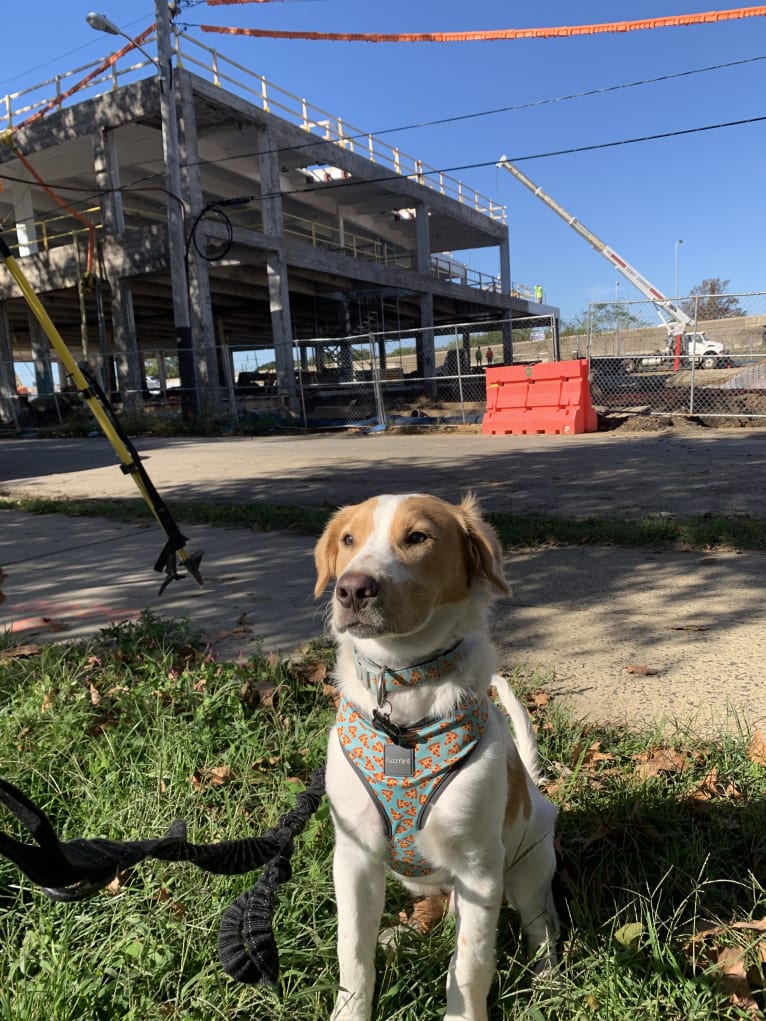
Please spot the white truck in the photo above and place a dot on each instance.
(692, 346)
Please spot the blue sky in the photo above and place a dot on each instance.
(706, 188)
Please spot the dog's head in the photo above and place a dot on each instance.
(400, 560)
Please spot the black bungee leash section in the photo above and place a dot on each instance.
(76, 869)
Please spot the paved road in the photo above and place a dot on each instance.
(619, 474)
(580, 615)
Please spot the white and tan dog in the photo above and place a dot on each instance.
(423, 775)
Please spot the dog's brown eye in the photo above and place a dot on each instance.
(416, 538)
(348, 540)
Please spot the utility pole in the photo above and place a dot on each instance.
(176, 230)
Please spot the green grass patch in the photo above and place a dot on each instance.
(704, 532)
(662, 840)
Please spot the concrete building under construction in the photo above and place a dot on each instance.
(290, 225)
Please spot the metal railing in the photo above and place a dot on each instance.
(70, 87)
(222, 71)
(313, 119)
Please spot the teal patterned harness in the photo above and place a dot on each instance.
(405, 777)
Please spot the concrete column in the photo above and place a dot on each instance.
(9, 401)
(107, 169)
(505, 268)
(197, 269)
(276, 267)
(505, 290)
(20, 195)
(41, 354)
(129, 369)
(172, 154)
(425, 345)
(422, 239)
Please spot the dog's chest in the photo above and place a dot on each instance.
(404, 780)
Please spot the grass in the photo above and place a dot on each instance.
(662, 845)
(703, 532)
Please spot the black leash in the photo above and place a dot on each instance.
(76, 869)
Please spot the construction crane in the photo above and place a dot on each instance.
(677, 322)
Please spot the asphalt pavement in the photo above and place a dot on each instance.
(583, 617)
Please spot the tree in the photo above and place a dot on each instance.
(709, 300)
(611, 315)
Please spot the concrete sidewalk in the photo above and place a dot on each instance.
(584, 615)
(68, 577)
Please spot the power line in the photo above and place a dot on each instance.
(535, 156)
(345, 183)
(561, 99)
(77, 49)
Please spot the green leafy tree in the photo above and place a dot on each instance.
(709, 300)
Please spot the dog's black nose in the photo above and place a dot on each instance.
(353, 589)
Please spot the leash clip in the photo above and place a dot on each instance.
(382, 719)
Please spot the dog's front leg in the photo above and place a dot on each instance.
(359, 890)
(478, 893)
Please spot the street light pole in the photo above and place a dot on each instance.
(175, 211)
(679, 242)
(176, 232)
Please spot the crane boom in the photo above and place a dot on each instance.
(673, 318)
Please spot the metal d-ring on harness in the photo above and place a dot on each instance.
(383, 719)
(89, 390)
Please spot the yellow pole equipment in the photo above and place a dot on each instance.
(90, 391)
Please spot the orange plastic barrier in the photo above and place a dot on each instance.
(551, 398)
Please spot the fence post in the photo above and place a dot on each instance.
(228, 371)
(301, 392)
(380, 407)
(693, 358)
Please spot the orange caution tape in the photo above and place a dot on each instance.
(103, 66)
(671, 21)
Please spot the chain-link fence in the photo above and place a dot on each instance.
(715, 368)
(712, 365)
(418, 377)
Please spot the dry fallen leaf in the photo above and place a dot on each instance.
(425, 913)
(756, 749)
(655, 761)
(712, 786)
(178, 909)
(18, 652)
(733, 979)
(752, 925)
(211, 776)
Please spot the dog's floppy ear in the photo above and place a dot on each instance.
(484, 550)
(326, 551)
